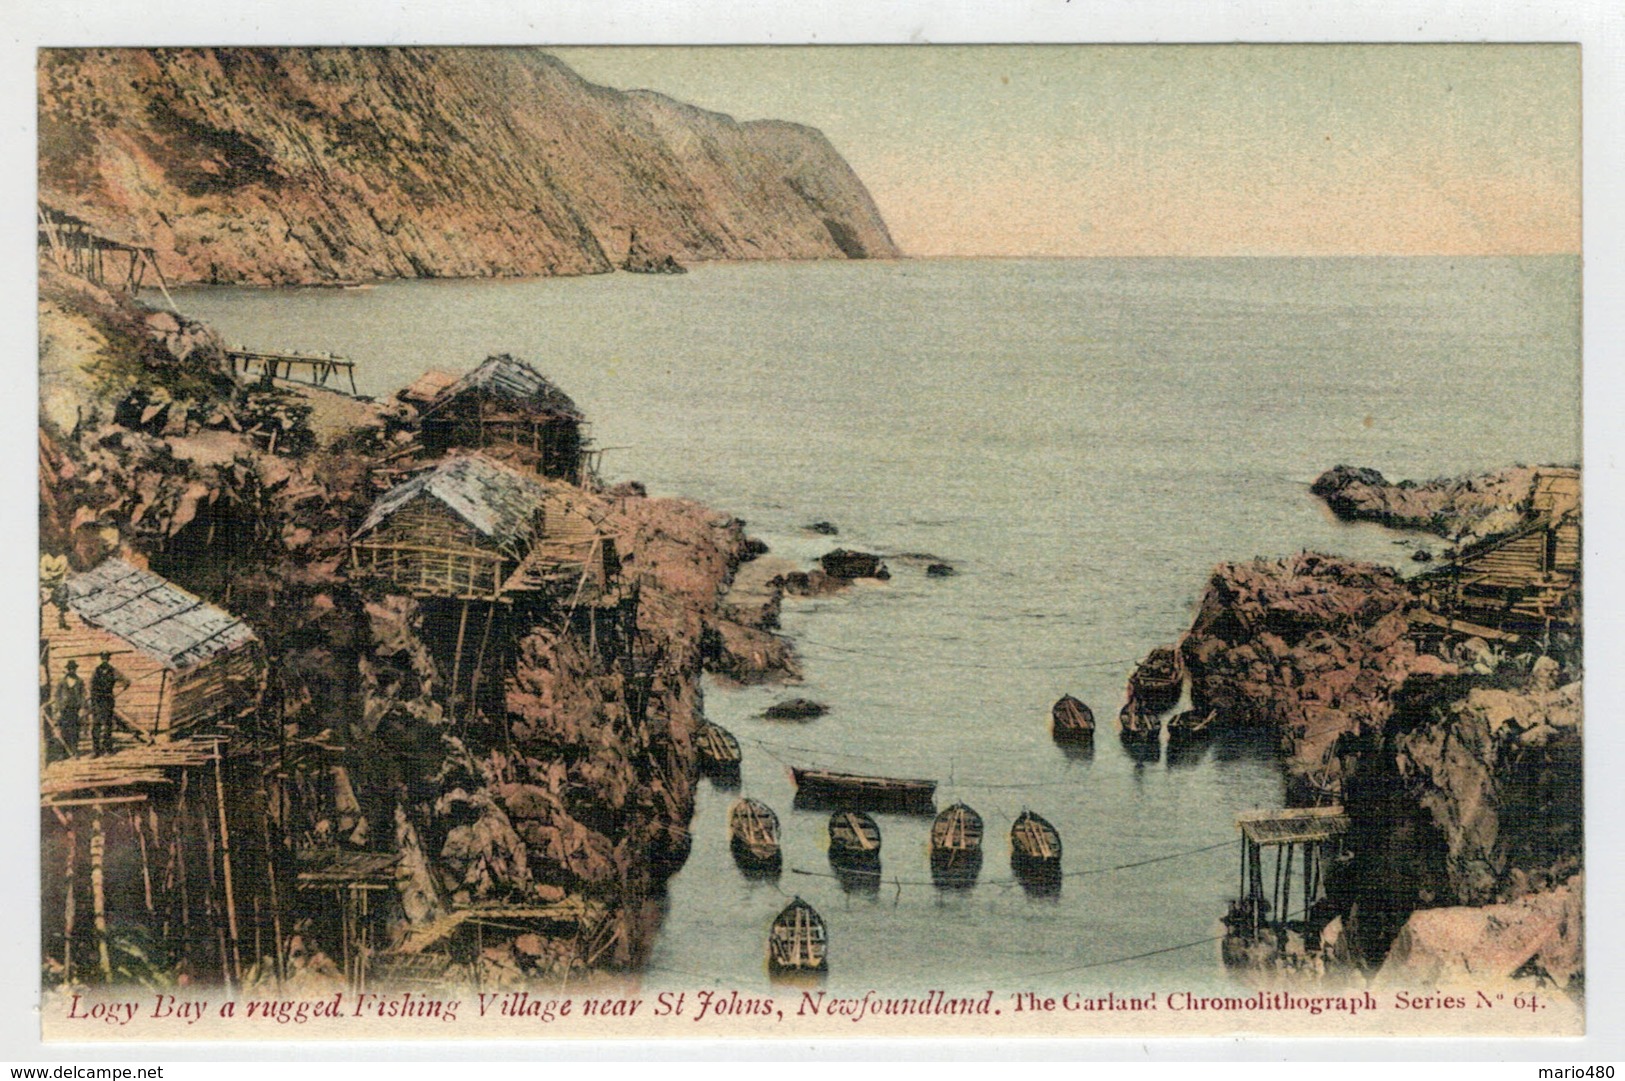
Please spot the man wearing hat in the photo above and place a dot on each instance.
(104, 681)
(69, 703)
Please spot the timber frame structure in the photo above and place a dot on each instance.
(1314, 830)
(76, 247)
(510, 409)
(458, 530)
(1525, 580)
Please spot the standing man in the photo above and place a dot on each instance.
(69, 703)
(104, 681)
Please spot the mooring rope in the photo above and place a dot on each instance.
(1085, 873)
(952, 782)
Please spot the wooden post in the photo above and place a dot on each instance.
(67, 904)
(158, 709)
(1286, 892)
(146, 870)
(225, 860)
(98, 892)
(1275, 891)
(457, 659)
(479, 661)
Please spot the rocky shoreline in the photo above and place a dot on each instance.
(1457, 760)
(248, 496)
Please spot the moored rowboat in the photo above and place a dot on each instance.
(1034, 843)
(797, 941)
(1157, 682)
(819, 787)
(1071, 720)
(716, 745)
(753, 831)
(853, 837)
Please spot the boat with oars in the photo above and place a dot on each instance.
(1071, 721)
(797, 942)
(956, 846)
(753, 833)
(716, 745)
(1157, 681)
(1035, 853)
(1140, 732)
(719, 754)
(854, 839)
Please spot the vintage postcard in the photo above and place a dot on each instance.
(671, 543)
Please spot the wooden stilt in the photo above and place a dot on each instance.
(98, 892)
(479, 661)
(146, 869)
(225, 860)
(68, 902)
(1286, 890)
(457, 659)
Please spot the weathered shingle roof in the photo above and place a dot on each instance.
(154, 615)
(511, 378)
(495, 499)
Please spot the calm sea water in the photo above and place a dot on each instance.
(1083, 440)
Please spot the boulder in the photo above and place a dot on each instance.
(795, 709)
(846, 563)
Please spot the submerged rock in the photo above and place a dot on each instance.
(795, 709)
(940, 570)
(846, 563)
(827, 529)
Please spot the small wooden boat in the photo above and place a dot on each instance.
(797, 942)
(1140, 732)
(1071, 721)
(716, 745)
(853, 838)
(1034, 843)
(956, 845)
(1158, 681)
(1191, 726)
(753, 832)
(825, 788)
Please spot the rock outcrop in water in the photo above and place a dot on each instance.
(286, 166)
(1457, 762)
(1454, 507)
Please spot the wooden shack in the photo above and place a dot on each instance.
(508, 408)
(1525, 578)
(575, 548)
(458, 530)
(189, 664)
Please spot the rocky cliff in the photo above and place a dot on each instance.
(567, 774)
(1459, 762)
(307, 165)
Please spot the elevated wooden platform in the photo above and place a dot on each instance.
(315, 369)
(1296, 825)
(123, 776)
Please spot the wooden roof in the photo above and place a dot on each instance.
(156, 616)
(512, 379)
(1293, 825)
(499, 501)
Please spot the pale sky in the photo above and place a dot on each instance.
(1171, 150)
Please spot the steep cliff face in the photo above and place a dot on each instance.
(296, 165)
